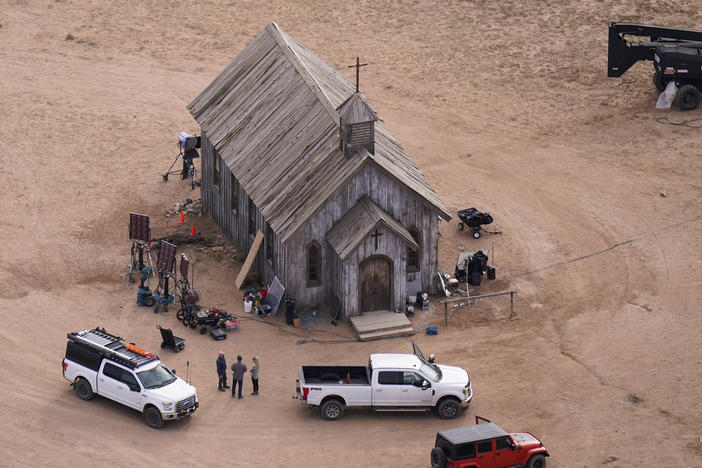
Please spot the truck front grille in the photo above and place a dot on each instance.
(185, 404)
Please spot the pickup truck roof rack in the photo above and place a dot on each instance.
(111, 347)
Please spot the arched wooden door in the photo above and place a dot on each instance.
(375, 284)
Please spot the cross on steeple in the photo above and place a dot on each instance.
(375, 236)
(358, 68)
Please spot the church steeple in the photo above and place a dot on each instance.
(357, 125)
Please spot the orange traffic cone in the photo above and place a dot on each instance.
(192, 232)
(182, 218)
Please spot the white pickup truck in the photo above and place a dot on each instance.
(390, 382)
(98, 363)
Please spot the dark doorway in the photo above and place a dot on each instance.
(375, 284)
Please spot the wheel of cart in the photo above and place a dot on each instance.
(476, 232)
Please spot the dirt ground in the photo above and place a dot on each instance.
(504, 106)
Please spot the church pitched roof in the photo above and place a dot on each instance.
(358, 223)
(272, 117)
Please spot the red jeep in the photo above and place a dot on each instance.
(486, 445)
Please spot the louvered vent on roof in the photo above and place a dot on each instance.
(357, 125)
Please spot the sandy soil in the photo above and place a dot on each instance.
(503, 105)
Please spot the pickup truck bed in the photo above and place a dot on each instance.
(329, 375)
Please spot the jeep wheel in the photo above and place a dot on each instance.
(153, 417)
(448, 408)
(332, 410)
(438, 458)
(537, 461)
(687, 97)
(83, 389)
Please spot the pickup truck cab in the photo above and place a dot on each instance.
(390, 382)
(486, 445)
(98, 363)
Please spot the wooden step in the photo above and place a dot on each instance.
(378, 326)
(405, 331)
(378, 321)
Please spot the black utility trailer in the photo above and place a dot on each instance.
(676, 55)
(474, 219)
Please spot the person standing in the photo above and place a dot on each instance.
(238, 369)
(255, 369)
(222, 372)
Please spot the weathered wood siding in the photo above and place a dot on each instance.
(393, 197)
(235, 223)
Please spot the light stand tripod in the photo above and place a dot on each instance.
(187, 149)
(165, 264)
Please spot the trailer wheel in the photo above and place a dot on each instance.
(437, 458)
(186, 320)
(687, 97)
(332, 409)
(476, 234)
(83, 389)
(149, 301)
(460, 226)
(659, 82)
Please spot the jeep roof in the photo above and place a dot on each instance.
(475, 433)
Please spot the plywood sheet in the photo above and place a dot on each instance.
(258, 240)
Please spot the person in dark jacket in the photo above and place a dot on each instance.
(238, 369)
(222, 372)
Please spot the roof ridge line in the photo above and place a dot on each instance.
(276, 32)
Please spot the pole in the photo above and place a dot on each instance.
(493, 254)
(445, 313)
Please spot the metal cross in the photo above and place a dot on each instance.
(375, 235)
(358, 68)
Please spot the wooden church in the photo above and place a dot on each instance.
(291, 148)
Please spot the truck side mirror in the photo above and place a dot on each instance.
(425, 385)
(173, 370)
(431, 358)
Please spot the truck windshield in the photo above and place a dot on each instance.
(157, 377)
(430, 371)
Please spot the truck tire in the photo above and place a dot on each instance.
(153, 417)
(83, 389)
(537, 461)
(448, 408)
(437, 458)
(659, 82)
(687, 97)
(332, 409)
